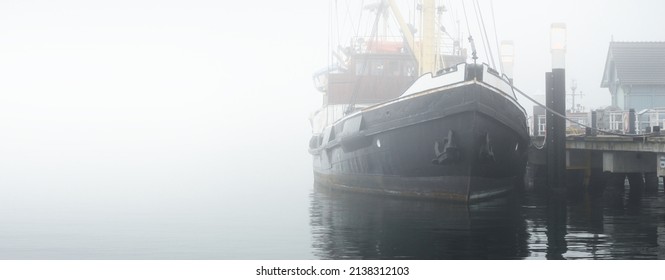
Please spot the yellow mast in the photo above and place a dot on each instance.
(425, 51)
(403, 26)
(428, 40)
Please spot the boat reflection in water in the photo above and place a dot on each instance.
(620, 223)
(355, 226)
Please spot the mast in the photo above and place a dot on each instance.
(424, 51)
(428, 40)
(406, 31)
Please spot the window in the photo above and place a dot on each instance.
(361, 68)
(617, 120)
(658, 119)
(378, 68)
(541, 125)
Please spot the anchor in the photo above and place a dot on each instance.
(486, 152)
(451, 152)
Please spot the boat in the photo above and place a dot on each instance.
(400, 117)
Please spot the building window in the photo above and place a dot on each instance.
(657, 118)
(541, 125)
(617, 120)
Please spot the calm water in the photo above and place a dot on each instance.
(621, 224)
(293, 220)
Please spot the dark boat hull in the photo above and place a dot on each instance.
(463, 143)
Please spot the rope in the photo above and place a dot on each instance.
(373, 36)
(468, 29)
(484, 30)
(362, 4)
(337, 20)
(496, 37)
(466, 18)
(330, 42)
(573, 121)
(330, 32)
(347, 18)
(480, 26)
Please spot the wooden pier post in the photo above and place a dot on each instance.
(651, 181)
(587, 168)
(631, 121)
(594, 123)
(598, 180)
(636, 181)
(617, 180)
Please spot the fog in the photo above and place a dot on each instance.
(131, 115)
(98, 92)
(112, 109)
(591, 25)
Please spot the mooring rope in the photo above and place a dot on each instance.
(573, 121)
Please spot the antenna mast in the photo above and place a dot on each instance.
(573, 88)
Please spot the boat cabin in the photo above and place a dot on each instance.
(371, 78)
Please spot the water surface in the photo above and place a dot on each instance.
(263, 217)
(619, 224)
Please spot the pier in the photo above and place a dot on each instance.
(607, 160)
(622, 142)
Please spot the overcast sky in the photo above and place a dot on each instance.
(136, 103)
(591, 26)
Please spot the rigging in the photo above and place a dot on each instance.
(483, 30)
(474, 54)
(496, 36)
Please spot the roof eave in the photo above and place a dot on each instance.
(604, 83)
